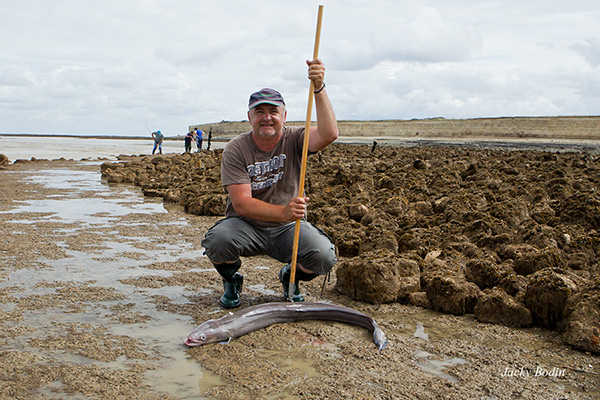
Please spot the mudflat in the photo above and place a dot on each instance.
(99, 286)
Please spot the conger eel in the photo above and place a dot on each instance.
(241, 322)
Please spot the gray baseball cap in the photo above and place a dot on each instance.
(266, 95)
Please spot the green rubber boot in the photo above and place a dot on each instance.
(284, 278)
(233, 288)
(232, 283)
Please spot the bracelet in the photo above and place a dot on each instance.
(319, 91)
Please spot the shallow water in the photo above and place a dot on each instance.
(177, 375)
(429, 363)
(88, 204)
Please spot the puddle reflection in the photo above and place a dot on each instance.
(429, 363)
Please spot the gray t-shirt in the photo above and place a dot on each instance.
(274, 175)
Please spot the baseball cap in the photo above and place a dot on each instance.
(266, 95)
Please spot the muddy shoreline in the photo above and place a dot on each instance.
(84, 298)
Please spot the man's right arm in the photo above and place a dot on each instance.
(250, 207)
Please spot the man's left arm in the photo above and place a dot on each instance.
(326, 130)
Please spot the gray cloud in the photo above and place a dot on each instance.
(590, 50)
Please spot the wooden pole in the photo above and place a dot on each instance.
(311, 97)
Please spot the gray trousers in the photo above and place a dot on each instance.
(233, 237)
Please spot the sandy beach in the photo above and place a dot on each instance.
(99, 286)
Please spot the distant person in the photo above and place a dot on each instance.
(158, 139)
(260, 170)
(209, 138)
(188, 141)
(199, 135)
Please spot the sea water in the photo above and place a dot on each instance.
(78, 148)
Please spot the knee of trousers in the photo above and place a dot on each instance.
(318, 261)
(219, 247)
(316, 251)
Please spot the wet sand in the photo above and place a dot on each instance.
(99, 287)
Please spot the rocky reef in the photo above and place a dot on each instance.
(510, 236)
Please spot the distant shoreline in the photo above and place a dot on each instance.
(545, 128)
(558, 127)
(111, 137)
(64, 135)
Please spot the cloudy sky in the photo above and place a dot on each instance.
(119, 67)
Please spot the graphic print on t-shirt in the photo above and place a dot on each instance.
(264, 174)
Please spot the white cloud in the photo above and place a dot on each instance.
(113, 67)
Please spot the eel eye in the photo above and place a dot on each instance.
(203, 338)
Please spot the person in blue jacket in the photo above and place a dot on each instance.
(158, 139)
(199, 134)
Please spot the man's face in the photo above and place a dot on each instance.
(267, 120)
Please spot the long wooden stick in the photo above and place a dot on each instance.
(311, 97)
